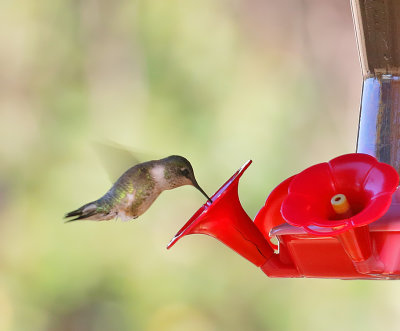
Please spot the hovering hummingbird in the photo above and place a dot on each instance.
(134, 192)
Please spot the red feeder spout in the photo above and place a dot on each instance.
(225, 220)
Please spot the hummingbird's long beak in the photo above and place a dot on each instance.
(201, 190)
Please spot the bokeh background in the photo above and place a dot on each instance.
(219, 82)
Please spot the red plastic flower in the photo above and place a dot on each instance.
(226, 220)
(367, 184)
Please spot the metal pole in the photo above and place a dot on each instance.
(377, 25)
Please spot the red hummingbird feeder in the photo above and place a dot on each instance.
(339, 219)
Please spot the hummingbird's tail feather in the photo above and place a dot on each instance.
(85, 212)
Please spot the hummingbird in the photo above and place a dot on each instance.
(137, 188)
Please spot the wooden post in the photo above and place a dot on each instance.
(377, 25)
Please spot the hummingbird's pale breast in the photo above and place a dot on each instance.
(158, 174)
(137, 202)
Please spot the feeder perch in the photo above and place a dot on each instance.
(339, 219)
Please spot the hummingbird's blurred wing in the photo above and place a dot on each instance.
(116, 159)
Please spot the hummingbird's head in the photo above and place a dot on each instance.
(178, 172)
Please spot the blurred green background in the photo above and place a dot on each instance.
(219, 82)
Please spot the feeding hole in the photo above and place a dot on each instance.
(340, 204)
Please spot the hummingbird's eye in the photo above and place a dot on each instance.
(184, 172)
